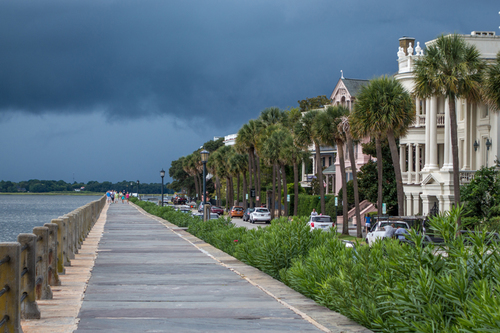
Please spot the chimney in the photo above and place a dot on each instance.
(404, 42)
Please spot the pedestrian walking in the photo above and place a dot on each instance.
(127, 196)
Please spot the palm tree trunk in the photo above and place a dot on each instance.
(196, 186)
(245, 190)
(250, 170)
(319, 175)
(295, 187)
(285, 189)
(454, 152)
(397, 171)
(278, 179)
(359, 233)
(378, 148)
(219, 199)
(257, 183)
(345, 210)
(238, 191)
(273, 195)
(227, 192)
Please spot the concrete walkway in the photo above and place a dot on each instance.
(150, 276)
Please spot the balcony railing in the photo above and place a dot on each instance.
(420, 120)
(467, 176)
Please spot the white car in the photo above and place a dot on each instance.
(260, 214)
(322, 222)
(384, 229)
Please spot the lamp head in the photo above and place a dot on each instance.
(162, 173)
(204, 155)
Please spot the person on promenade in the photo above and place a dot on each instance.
(127, 196)
(112, 196)
(117, 196)
(314, 213)
(108, 197)
(123, 196)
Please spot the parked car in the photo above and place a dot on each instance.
(216, 210)
(246, 215)
(323, 222)
(212, 216)
(428, 240)
(191, 204)
(384, 229)
(236, 211)
(260, 214)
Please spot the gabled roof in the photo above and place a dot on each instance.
(354, 85)
(351, 85)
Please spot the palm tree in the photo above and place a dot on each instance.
(272, 140)
(492, 84)
(293, 153)
(331, 132)
(239, 164)
(307, 131)
(247, 140)
(346, 128)
(365, 121)
(452, 68)
(384, 109)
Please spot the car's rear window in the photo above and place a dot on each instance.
(322, 219)
(261, 210)
(396, 224)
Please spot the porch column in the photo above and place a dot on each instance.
(427, 133)
(416, 205)
(467, 141)
(447, 162)
(304, 178)
(426, 205)
(417, 163)
(409, 210)
(410, 163)
(432, 147)
(402, 157)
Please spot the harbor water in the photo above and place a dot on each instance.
(21, 213)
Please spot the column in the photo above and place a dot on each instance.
(304, 171)
(417, 111)
(416, 205)
(447, 162)
(417, 163)
(427, 133)
(467, 141)
(409, 210)
(402, 157)
(410, 163)
(432, 147)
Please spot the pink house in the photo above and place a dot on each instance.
(344, 94)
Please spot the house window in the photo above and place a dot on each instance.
(329, 160)
(323, 161)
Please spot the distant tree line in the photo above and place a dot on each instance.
(45, 186)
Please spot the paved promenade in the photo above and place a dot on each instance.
(150, 276)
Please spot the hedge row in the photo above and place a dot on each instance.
(389, 287)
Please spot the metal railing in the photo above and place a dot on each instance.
(466, 176)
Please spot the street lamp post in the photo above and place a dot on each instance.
(137, 189)
(162, 174)
(204, 159)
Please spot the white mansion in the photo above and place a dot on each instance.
(425, 152)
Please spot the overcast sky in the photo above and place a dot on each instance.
(116, 90)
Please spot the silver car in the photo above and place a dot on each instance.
(322, 222)
(260, 214)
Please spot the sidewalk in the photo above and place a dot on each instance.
(151, 276)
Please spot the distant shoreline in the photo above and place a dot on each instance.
(52, 193)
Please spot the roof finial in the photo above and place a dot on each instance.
(341, 74)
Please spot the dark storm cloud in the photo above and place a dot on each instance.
(133, 59)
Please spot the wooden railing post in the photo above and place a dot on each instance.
(10, 285)
(42, 288)
(29, 308)
(53, 275)
(61, 239)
